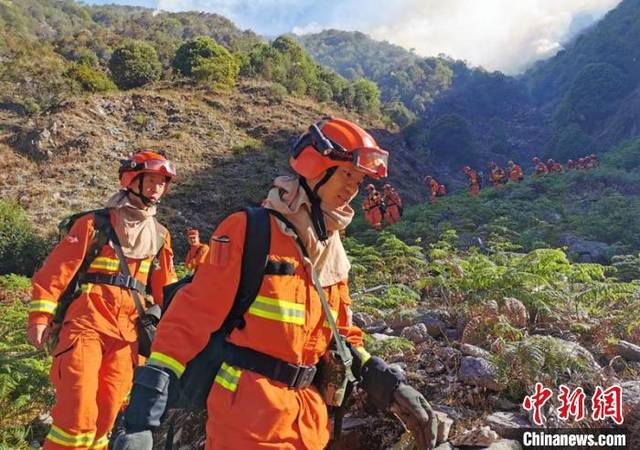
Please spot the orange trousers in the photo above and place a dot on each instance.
(92, 374)
(392, 214)
(374, 217)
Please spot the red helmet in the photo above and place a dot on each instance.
(145, 161)
(338, 142)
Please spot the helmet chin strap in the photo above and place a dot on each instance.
(317, 216)
(146, 201)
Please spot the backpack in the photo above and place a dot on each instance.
(99, 240)
(192, 389)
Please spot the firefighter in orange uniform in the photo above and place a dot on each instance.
(515, 172)
(96, 352)
(474, 181)
(496, 175)
(554, 167)
(285, 324)
(197, 250)
(392, 205)
(540, 168)
(433, 187)
(373, 207)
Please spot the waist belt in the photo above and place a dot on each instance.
(293, 375)
(119, 280)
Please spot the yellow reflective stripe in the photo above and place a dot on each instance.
(58, 436)
(144, 266)
(101, 443)
(335, 317)
(364, 355)
(42, 305)
(160, 359)
(228, 377)
(105, 263)
(279, 310)
(86, 288)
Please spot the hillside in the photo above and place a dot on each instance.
(228, 147)
(590, 89)
(582, 100)
(493, 113)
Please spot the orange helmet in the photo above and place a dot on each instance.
(145, 161)
(337, 142)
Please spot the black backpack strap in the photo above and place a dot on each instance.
(255, 254)
(101, 221)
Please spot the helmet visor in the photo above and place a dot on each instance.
(372, 161)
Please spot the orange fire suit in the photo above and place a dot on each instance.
(556, 168)
(197, 255)
(515, 173)
(434, 188)
(247, 410)
(474, 183)
(496, 176)
(393, 203)
(93, 362)
(540, 169)
(373, 210)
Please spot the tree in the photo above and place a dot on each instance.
(399, 114)
(366, 96)
(135, 64)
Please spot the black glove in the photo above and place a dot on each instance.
(416, 415)
(380, 381)
(149, 398)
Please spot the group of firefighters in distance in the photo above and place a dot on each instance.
(385, 208)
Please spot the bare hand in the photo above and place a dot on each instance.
(37, 334)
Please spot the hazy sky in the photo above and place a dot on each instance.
(505, 35)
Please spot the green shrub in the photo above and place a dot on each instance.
(219, 72)
(134, 65)
(21, 249)
(92, 79)
(208, 58)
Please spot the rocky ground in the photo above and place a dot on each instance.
(462, 382)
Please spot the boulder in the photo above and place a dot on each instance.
(473, 350)
(627, 350)
(584, 250)
(435, 325)
(505, 444)
(631, 403)
(507, 424)
(416, 333)
(476, 437)
(479, 372)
